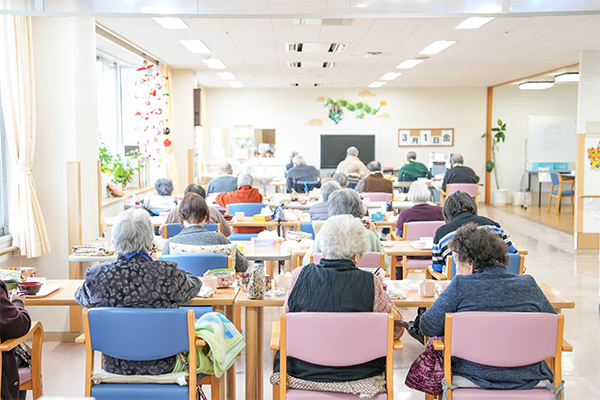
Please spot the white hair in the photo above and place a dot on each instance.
(352, 151)
(328, 188)
(457, 158)
(419, 192)
(345, 201)
(342, 236)
(133, 231)
(299, 160)
(225, 167)
(245, 179)
(164, 186)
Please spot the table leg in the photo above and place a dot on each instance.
(252, 341)
(230, 374)
(539, 193)
(260, 351)
(224, 381)
(269, 267)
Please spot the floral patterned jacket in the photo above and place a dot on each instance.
(135, 280)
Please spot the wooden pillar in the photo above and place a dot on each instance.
(74, 232)
(191, 170)
(488, 143)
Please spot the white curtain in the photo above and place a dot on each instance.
(26, 223)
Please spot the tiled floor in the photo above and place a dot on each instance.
(551, 259)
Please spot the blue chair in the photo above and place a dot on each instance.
(141, 334)
(304, 186)
(516, 264)
(171, 230)
(249, 210)
(198, 264)
(212, 227)
(308, 228)
(559, 193)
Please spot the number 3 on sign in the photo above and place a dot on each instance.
(404, 138)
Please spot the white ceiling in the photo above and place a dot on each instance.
(249, 36)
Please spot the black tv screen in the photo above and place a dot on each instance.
(333, 148)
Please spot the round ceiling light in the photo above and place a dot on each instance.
(536, 85)
(567, 77)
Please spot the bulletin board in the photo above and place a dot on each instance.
(425, 137)
(552, 139)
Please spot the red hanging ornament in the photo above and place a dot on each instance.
(167, 142)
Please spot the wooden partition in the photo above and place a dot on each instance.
(74, 232)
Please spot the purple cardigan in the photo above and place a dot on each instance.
(419, 212)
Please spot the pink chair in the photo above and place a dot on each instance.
(503, 339)
(470, 188)
(315, 338)
(414, 231)
(376, 196)
(369, 260)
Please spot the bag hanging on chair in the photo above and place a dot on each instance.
(427, 371)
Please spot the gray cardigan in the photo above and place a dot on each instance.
(492, 289)
(197, 235)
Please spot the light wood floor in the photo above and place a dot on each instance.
(563, 221)
(551, 259)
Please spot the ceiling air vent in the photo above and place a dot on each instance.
(310, 64)
(315, 47)
(373, 54)
(294, 84)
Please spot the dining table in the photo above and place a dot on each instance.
(254, 324)
(222, 301)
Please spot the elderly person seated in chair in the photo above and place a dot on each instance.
(482, 283)
(163, 200)
(194, 213)
(347, 201)
(337, 285)
(318, 211)
(135, 280)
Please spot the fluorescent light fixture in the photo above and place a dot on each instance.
(390, 76)
(408, 64)
(567, 77)
(377, 84)
(236, 84)
(226, 76)
(214, 63)
(171, 23)
(474, 22)
(437, 47)
(195, 46)
(536, 85)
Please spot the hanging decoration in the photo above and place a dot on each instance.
(360, 108)
(594, 157)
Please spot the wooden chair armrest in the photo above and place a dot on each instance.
(396, 237)
(275, 333)
(80, 339)
(398, 345)
(567, 346)
(200, 342)
(10, 344)
(438, 344)
(431, 274)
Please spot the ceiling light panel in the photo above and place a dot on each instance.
(437, 47)
(376, 84)
(195, 46)
(226, 76)
(474, 23)
(536, 85)
(390, 76)
(567, 77)
(214, 63)
(408, 64)
(171, 23)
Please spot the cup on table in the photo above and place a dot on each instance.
(210, 281)
(239, 216)
(283, 281)
(427, 288)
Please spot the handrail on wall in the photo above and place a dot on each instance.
(8, 250)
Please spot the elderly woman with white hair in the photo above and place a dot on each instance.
(337, 285)
(319, 212)
(422, 210)
(347, 201)
(135, 280)
(163, 200)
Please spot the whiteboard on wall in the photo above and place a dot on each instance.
(552, 139)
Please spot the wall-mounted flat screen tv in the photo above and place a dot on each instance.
(333, 148)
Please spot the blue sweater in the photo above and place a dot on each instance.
(492, 289)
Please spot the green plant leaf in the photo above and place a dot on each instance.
(484, 134)
(495, 129)
(500, 122)
(489, 166)
(504, 127)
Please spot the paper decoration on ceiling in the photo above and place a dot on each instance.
(384, 115)
(594, 157)
(366, 93)
(359, 108)
(314, 122)
(320, 99)
(145, 66)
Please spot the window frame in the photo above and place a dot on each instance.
(3, 178)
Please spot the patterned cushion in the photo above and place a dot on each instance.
(226, 249)
(365, 388)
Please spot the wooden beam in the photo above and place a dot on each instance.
(191, 177)
(488, 142)
(75, 235)
(536, 75)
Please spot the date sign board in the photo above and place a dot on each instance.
(425, 137)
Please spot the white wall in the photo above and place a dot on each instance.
(514, 106)
(288, 110)
(67, 130)
(183, 83)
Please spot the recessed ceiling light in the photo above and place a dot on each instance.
(236, 84)
(408, 64)
(437, 47)
(567, 77)
(214, 63)
(226, 76)
(171, 23)
(376, 84)
(390, 76)
(474, 23)
(195, 46)
(536, 85)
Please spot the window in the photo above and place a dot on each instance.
(3, 178)
(108, 104)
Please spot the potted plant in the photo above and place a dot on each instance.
(497, 134)
(121, 169)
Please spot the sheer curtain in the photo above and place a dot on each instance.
(26, 223)
(172, 171)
